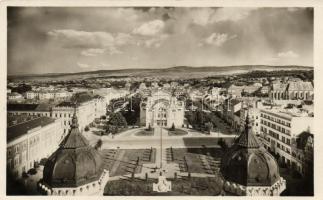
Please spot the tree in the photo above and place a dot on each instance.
(173, 127)
(149, 127)
(209, 127)
(98, 144)
(117, 119)
(22, 88)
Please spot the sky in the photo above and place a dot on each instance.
(70, 39)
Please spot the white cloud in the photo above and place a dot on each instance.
(83, 65)
(217, 39)
(113, 50)
(92, 52)
(123, 38)
(288, 54)
(201, 16)
(294, 9)
(94, 43)
(207, 16)
(150, 28)
(231, 14)
(155, 41)
(75, 38)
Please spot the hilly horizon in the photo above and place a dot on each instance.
(177, 71)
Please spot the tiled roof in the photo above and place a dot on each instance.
(280, 86)
(16, 131)
(28, 107)
(300, 86)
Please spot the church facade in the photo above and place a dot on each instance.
(162, 109)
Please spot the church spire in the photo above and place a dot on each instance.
(247, 139)
(74, 139)
(74, 119)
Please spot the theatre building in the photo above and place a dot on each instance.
(162, 109)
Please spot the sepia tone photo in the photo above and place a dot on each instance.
(160, 101)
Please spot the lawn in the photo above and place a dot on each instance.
(180, 187)
(176, 132)
(145, 132)
(124, 161)
(197, 160)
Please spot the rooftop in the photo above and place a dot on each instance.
(20, 129)
(28, 107)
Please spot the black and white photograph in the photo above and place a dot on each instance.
(159, 101)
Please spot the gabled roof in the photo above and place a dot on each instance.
(300, 85)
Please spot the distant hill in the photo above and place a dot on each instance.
(174, 72)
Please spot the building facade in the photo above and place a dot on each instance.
(86, 112)
(31, 140)
(292, 91)
(280, 130)
(162, 109)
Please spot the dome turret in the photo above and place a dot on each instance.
(75, 163)
(247, 164)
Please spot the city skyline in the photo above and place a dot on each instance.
(155, 38)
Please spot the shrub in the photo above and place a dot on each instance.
(86, 128)
(32, 171)
(173, 127)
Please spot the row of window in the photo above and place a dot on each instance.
(65, 114)
(282, 147)
(274, 126)
(275, 135)
(277, 120)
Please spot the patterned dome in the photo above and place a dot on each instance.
(75, 163)
(248, 163)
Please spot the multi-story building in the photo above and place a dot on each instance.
(232, 107)
(299, 90)
(162, 109)
(86, 111)
(47, 94)
(279, 130)
(14, 96)
(29, 139)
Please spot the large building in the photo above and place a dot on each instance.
(162, 109)
(248, 169)
(47, 94)
(29, 109)
(87, 110)
(75, 168)
(298, 90)
(29, 139)
(280, 130)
